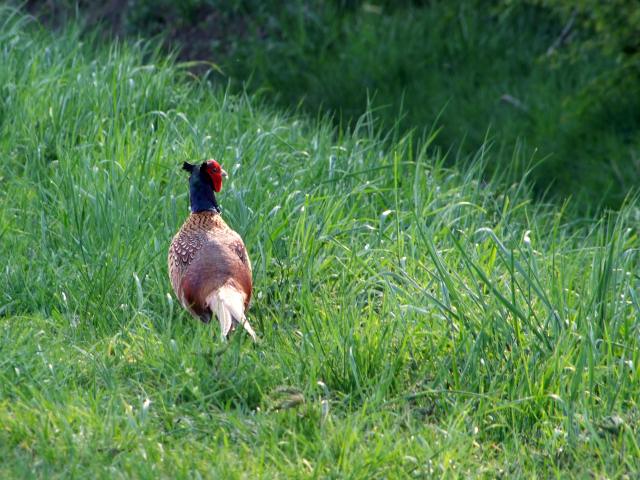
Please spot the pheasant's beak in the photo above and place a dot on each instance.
(223, 173)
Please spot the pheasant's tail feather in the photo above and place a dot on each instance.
(228, 304)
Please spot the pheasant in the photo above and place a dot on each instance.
(209, 268)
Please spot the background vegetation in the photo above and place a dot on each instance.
(554, 80)
(420, 314)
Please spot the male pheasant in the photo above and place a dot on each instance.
(209, 267)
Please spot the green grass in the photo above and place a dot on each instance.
(416, 320)
(455, 61)
(482, 68)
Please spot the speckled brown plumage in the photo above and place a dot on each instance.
(206, 255)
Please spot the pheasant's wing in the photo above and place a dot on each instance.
(183, 249)
(236, 245)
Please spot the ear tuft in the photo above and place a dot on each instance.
(188, 167)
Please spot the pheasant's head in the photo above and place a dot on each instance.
(203, 181)
(209, 169)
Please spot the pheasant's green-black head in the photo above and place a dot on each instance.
(203, 181)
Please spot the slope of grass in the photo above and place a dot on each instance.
(415, 320)
(483, 69)
(475, 66)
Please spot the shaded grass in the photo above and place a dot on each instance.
(415, 320)
(476, 68)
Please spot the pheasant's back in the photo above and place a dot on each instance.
(204, 255)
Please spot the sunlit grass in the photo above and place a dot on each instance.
(415, 320)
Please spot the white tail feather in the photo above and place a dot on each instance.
(228, 305)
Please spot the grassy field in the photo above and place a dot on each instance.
(416, 320)
(480, 70)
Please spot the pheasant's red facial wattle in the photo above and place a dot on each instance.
(217, 182)
(216, 173)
